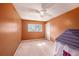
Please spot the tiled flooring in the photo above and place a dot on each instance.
(35, 47)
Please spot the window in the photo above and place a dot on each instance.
(34, 28)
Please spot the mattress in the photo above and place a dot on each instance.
(59, 48)
(68, 42)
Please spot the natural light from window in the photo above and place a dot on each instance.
(34, 27)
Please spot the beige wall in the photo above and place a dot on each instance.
(10, 29)
(32, 35)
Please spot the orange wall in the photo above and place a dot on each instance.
(32, 35)
(10, 29)
(69, 20)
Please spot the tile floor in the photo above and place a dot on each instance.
(35, 47)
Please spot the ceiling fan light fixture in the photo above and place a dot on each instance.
(41, 12)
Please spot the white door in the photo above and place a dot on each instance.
(47, 32)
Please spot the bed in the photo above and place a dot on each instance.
(67, 44)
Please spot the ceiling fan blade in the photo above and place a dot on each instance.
(47, 5)
(45, 15)
(32, 10)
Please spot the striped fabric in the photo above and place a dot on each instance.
(70, 37)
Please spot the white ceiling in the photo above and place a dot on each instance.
(55, 9)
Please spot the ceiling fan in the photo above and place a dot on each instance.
(44, 10)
